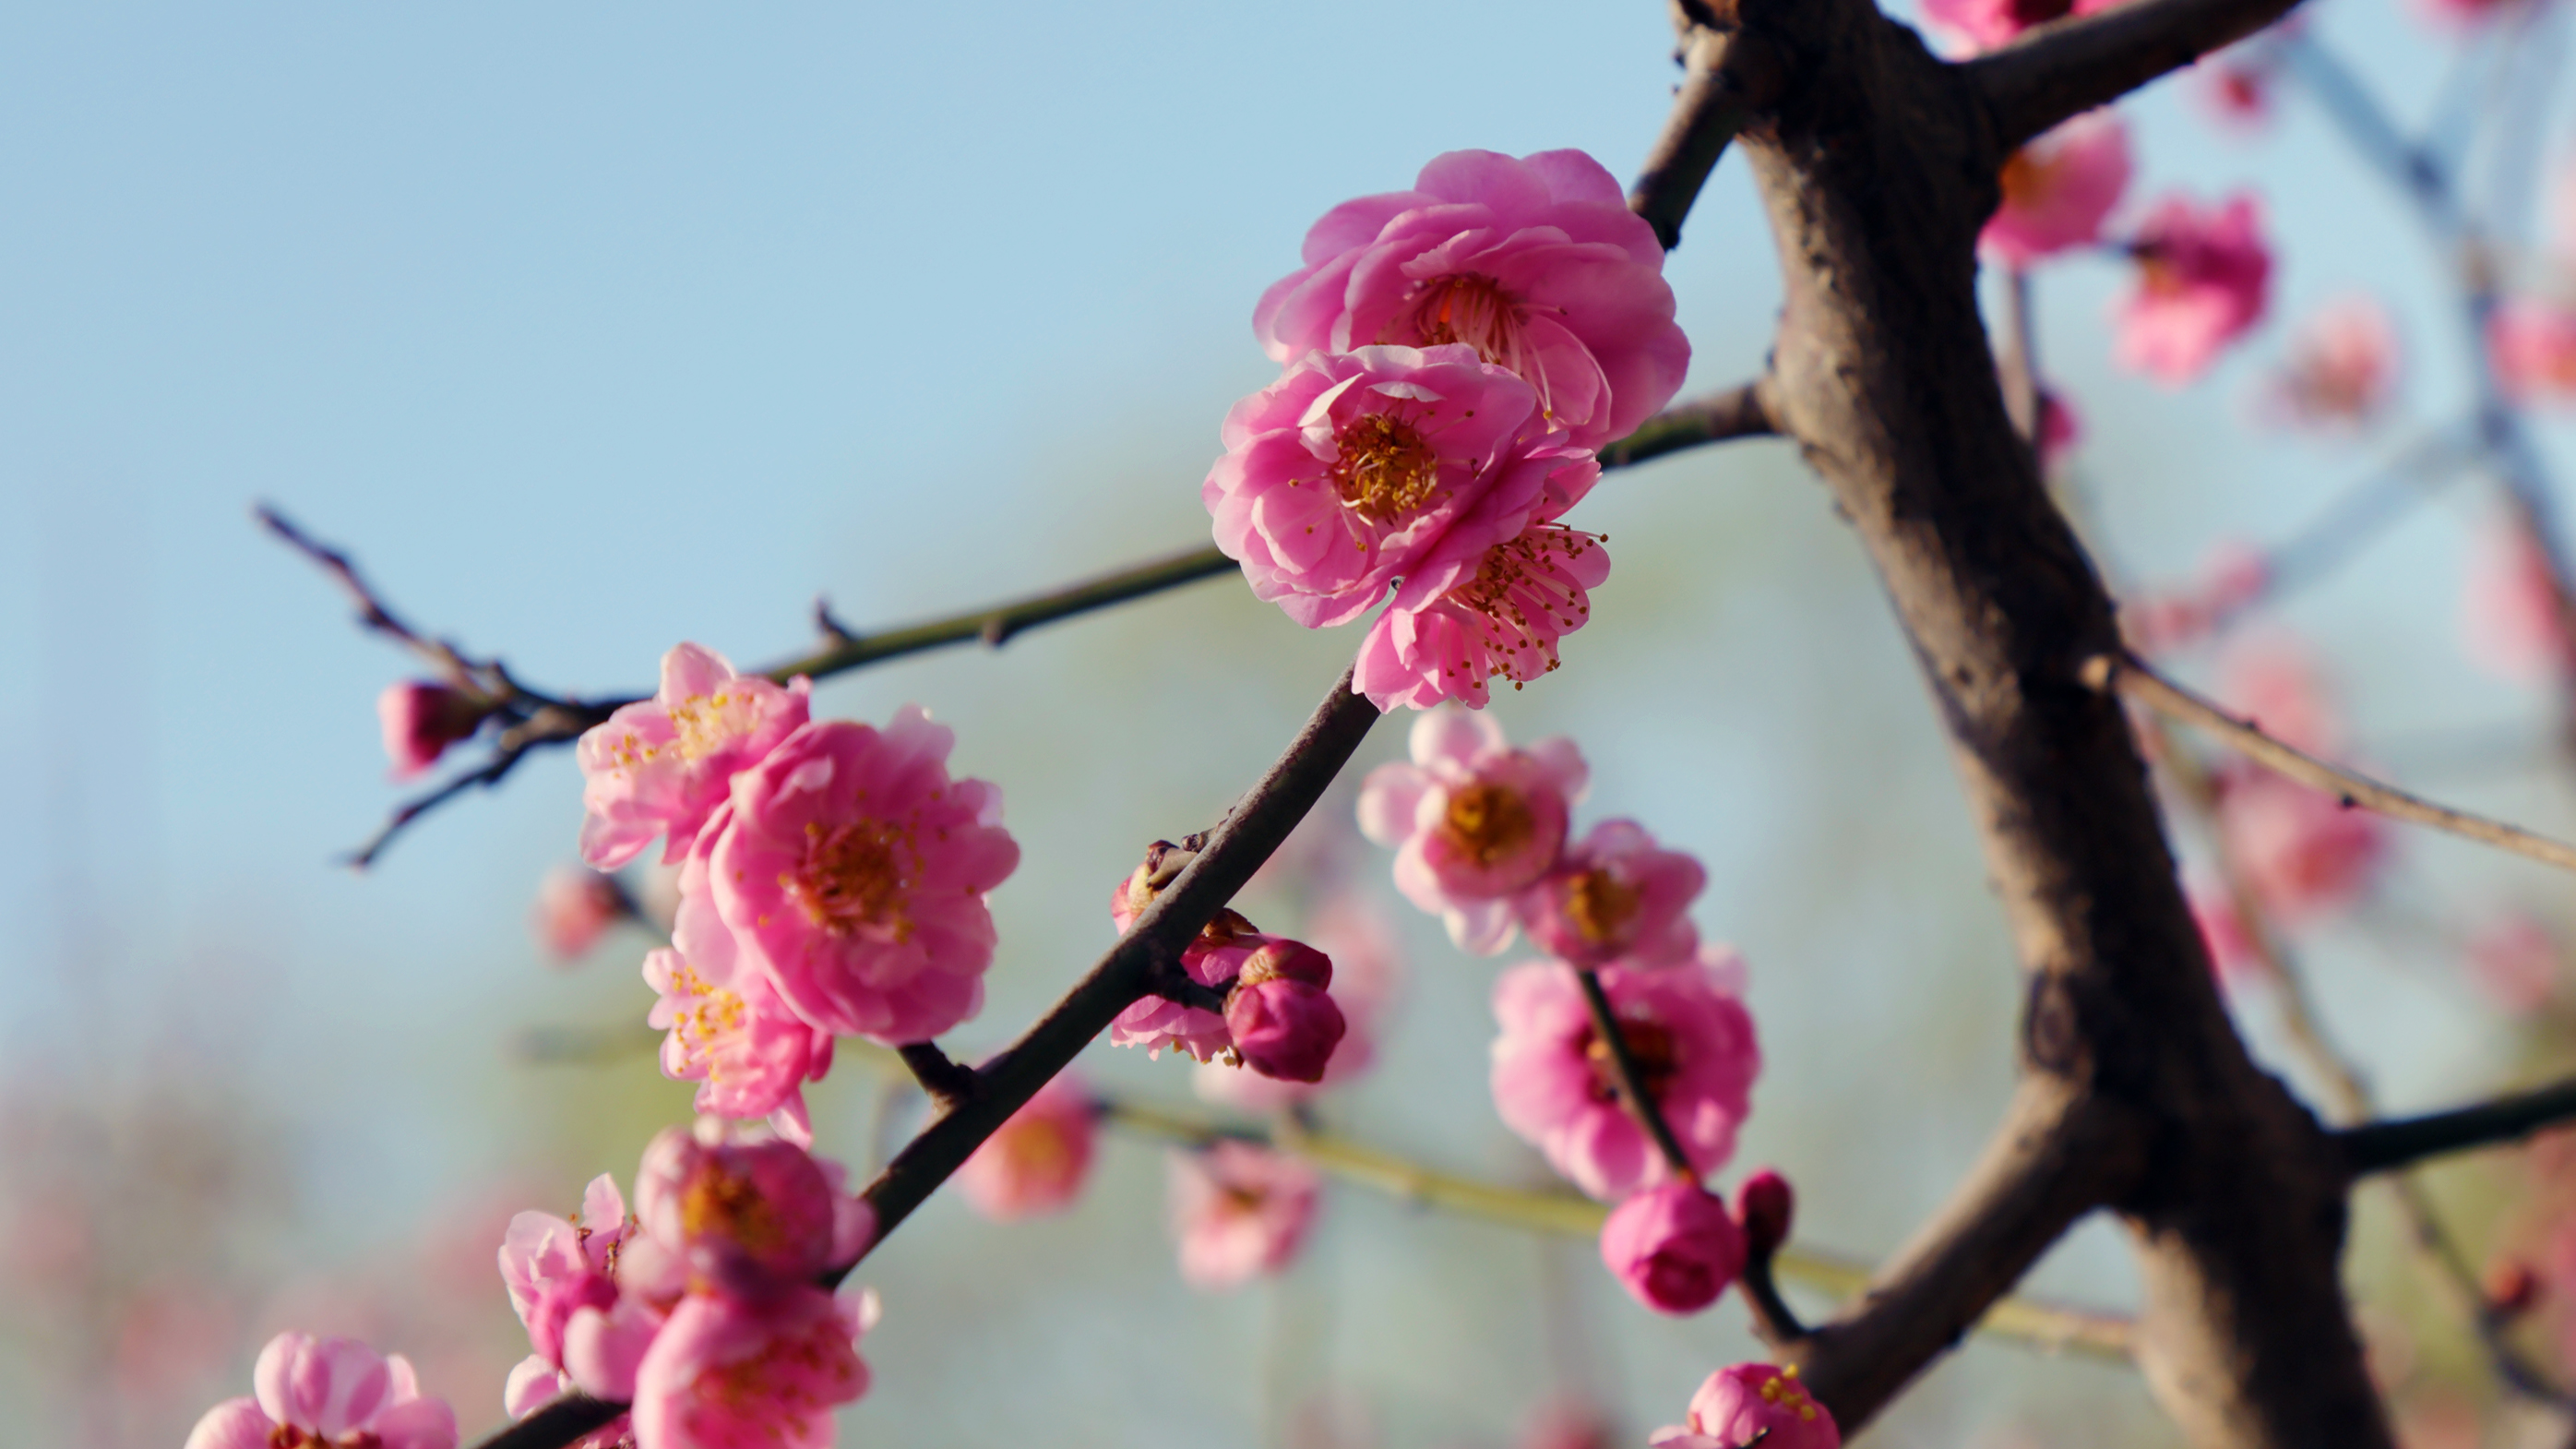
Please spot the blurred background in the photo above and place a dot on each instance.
(591, 329)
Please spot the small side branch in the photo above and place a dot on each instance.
(944, 1080)
(558, 1423)
(1632, 1081)
(1773, 1319)
(1738, 412)
(2067, 67)
(1726, 77)
(2400, 1142)
(2135, 679)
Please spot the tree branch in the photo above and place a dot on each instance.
(2399, 1142)
(1739, 412)
(947, 1082)
(1641, 1104)
(2132, 677)
(1726, 77)
(2068, 67)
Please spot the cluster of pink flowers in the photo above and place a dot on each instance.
(1752, 1403)
(1454, 355)
(325, 1393)
(832, 877)
(702, 1309)
(1366, 975)
(1277, 1017)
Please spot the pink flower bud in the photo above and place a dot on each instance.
(422, 719)
(1765, 1205)
(1753, 1403)
(1674, 1247)
(574, 909)
(1283, 1026)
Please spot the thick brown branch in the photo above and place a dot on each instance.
(2387, 1146)
(2138, 681)
(2070, 66)
(1738, 412)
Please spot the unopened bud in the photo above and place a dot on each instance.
(1164, 863)
(421, 720)
(1673, 1247)
(1285, 960)
(1765, 1205)
(1283, 1022)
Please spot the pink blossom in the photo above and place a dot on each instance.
(421, 720)
(760, 1372)
(725, 1212)
(2509, 607)
(1617, 896)
(2515, 960)
(2203, 279)
(2341, 369)
(851, 871)
(1366, 973)
(1214, 959)
(733, 1034)
(1967, 27)
(554, 1267)
(575, 907)
(2234, 92)
(1353, 467)
(2459, 14)
(1568, 1424)
(1673, 1246)
(2531, 342)
(333, 1390)
(2304, 852)
(1472, 820)
(2058, 190)
(1037, 1162)
(1241, 1211)
(1693, 1042)
(1449, 630)
(1752, 1403)
(1280, 1015)
(1537, 264)
(661, 766)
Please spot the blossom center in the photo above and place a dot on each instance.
(729, 1205)
(1486, 821)
(703, 724)
(1528, 598)
(1650, 1045)
(1601, 905)
(855, 875)
(1783, 1391)
(1386, 471)
(1464, 308)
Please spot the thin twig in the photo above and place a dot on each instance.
(2402, 1141)
(1743, 411)
(1727, 76)
(2138, 681)
(1630, 1081)
(373, 613)
(1773, 1318)
(946, 1082)
(2067, 67)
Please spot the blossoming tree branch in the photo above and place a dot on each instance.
(1460, 360)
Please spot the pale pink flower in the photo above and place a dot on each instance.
(2531, 342)
(735, 1036)
(2341, 369)
(1693, 1042)
(661, 766)
(760, 1372)
(1537, 264)
(1036, 1162)
(1967, 27)
(421, 720)
(1472, 820)
(2509, 615)
(2515, 960)
(2305, 853)
(1352, 467)
(1673, 1246)
(1367, 971)
(1450, 630)
(554, 1267)
(1241, 1212)
(2274, 682)
(1214, 959)
(331, 1390)
(1280, 1013)
(575, 907)
(2058, 190)
(851, 871)
(1752, 1403)
(722, 1211)
(1617, 896)
(2204, 276)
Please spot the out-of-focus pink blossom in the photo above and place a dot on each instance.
(1449, 630)
(2060, 429)
(2531, 342)
(2204, 277)
(2509, 617)
(1367, 971)
(421, 720)
(2459, 14)
(1752, 1403)
(1693, 1043)
(2058, 190)
(1214, 959)
(1240, 1211)
(851, 871)
(2515, 960)
(661, 766)
(1967, 27)
(1536, 263)
(723, 1212)
(1037, 1162)
(1353, 468)
(2274, 681)
(1673, 1246)
(1472, 820)
(1617, 896)
(751, 1053)
(2341, 369)
(1568, 1424)
(575, 907)
(2304, 852)
(332, 1391)
(2222, 933)
(759, 1372)
(1280, 1013)
(2233, 91)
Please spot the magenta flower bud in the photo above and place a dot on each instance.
(1765, 1205)
(1673, 1247)
(1752, 1403)
(421, 720)
(1283, 1022)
